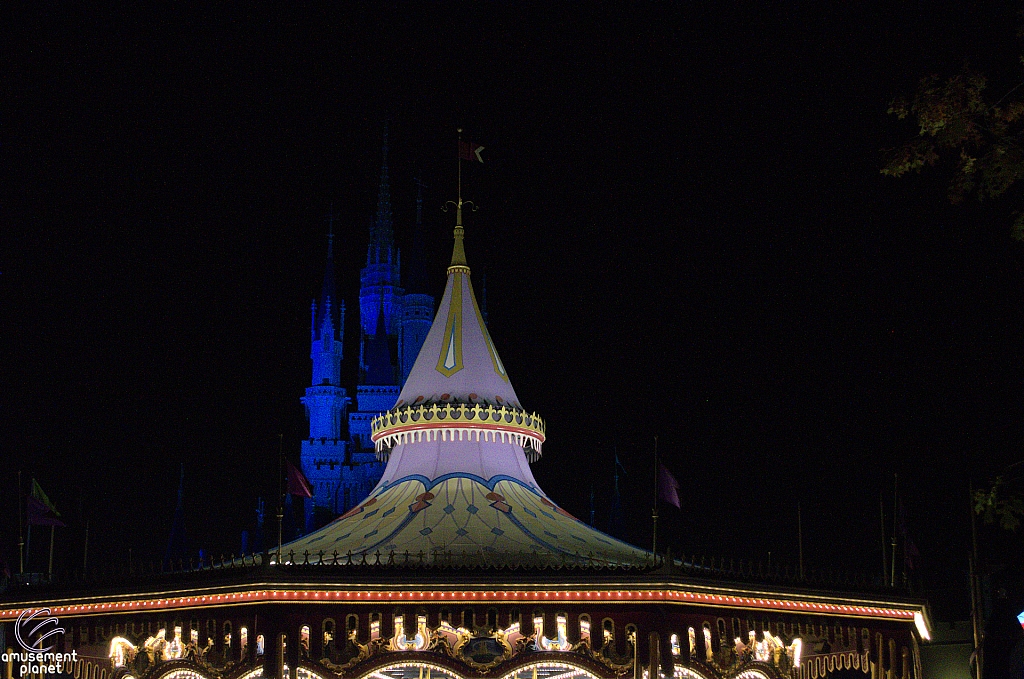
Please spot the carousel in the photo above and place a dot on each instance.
(459, 566)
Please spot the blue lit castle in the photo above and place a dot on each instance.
(340, 461)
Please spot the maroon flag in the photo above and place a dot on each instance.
(298, 484)
(910, 551)
(668, 487)
(470, 151)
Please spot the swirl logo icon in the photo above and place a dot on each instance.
(35, 630)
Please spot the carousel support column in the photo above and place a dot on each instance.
(316, 640)
(273, 660)
(879, 672)
(653, 656)
(638, 668)
(668, 666)
(293, 650)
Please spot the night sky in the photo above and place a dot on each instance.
(682, 224)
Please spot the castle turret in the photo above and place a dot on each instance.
(325, 400)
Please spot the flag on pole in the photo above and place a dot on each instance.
(668, 487)
(41, 511)
(470, 151)
(298, 484)
(910, 551)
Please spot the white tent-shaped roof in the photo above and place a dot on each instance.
(458, 487)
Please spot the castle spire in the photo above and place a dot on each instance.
(416, 269)
(379, 371)
(382, 232)
(328, 294)
(330, 233)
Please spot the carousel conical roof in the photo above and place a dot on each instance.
(458, 488)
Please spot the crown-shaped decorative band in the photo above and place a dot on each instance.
(458, 422)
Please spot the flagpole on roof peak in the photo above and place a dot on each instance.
(459, 262)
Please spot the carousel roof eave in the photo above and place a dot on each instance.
(320, 584)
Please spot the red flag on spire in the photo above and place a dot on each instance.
(668, 487)
(298, 484)
(470, 151)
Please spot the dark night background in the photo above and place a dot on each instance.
(682, 224)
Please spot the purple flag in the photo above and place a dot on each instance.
(40, 515)
(668, 487)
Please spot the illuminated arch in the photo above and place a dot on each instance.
(396, 668)
(691, 672)
(181, 673)
(302, 673)
(754, 673)
(551, 669)
(546, 669)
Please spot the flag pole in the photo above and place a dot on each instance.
(21, 535)
(280, 495)
(28, 530)
(49, 568)
(881, 513)
(800, 536)
(654, 509)
(977, 623)
(591, 505)
(85, 548)
(895, 518)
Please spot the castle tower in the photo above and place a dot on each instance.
(380, 279)
(417, 305)
(380, 306)
(323, 451)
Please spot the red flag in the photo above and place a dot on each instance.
(470, 151)
(910, 551)
(668, 487)
(298, 484)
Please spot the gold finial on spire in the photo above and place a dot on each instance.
(459, 262)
